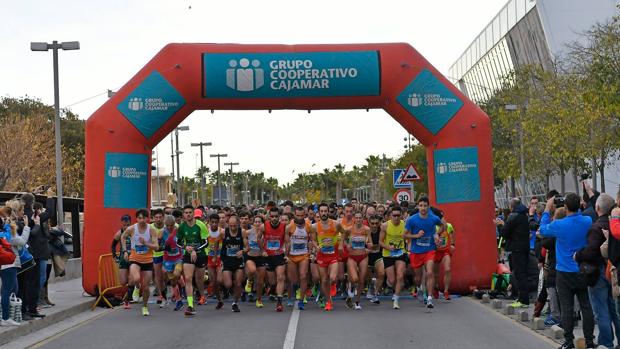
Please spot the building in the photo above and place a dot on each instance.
(161, 186)
(528, 32)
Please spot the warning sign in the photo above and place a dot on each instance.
(411, 174)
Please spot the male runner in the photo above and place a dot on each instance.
(214, 262)
(199, 273)
(443, 256)
(232, 259)
(190, 239)
(274, 246)
(298, 251)
(392, 241)
(375, 258)
(421, 230)
(173, 258)
(347, 223)
(255, 256)
(157, 227)
(143, 242)
(357, 240)
(123, 263)
(326, 231)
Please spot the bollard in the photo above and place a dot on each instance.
(580, 343)
(497, 304)
(524, 316)
(538, 324)
(509, 310)
(557, 332)
(486, 298)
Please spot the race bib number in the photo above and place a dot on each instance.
(328, 250)
(358, 243)
(299, 247)
(254, 246)
(442, 241)
(273, 245)
(396, 252)
(232, 251)
(212, 253)
(174, 252)
(424, 241)
(141, 249)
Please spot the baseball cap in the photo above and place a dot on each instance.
(197, 213)
(126, 218)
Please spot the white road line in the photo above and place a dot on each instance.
(289, 340)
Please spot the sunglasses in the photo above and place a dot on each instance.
(273, 216)
(395, 215)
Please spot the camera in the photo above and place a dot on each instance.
(558, 201)
(585, 176)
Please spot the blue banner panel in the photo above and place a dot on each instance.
(457, 175)
(303, 74)
(126, 180)
(429, 101)
(151, 104)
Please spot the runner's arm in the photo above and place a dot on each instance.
(382, 237)
(246, 244)
(287, 241)
(115, 242)
(313, 238)
(124, 235)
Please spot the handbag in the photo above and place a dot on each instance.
(590, 273)
(6, 252)
(15, 308)
(26, 259)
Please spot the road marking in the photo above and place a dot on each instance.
(289, 340)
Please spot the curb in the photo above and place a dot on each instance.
(35, 325)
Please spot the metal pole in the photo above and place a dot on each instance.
(157, 173)
(179, 187)
(219, 187)
(522, 160)
(60, 211)
(202, 179)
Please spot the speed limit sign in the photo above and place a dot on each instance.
(402, 195)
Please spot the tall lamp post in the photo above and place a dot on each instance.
(219, 188)
(202, 175)
(513, 108)
(55, 46)
(232, 181)
(179, 184)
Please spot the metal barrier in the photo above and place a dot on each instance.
(108, 279)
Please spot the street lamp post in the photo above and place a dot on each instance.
(55, 46)
(202, 175)
(232, 181)
(219, 188)
(511, 108)
(178, 153)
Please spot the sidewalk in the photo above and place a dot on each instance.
(70, 300)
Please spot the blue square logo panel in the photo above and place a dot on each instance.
(457, 175)
(151, 104)
(125, 181)
(429, 101)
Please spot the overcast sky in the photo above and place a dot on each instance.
(118, 37)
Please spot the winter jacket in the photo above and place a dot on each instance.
(516, 230)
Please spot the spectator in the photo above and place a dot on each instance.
(549, 274)
(517, 235)
(599, 290)
(589, 197)
(571, 236)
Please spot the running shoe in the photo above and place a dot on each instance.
(414, 292)
(189, 311)
(9, 322)
(235, 308)
(321, 302)
(145, 311)
(358, 306)
(315, 291)
(446, 295)
(429, 303)
(349, 303)
(333, 290)
(395, 304)
(160, 298)
(300, 305)
(369, 295)
(329, 306)
(375, 300)
(202, 300)
(248, 286)
(551, 321)
(298, 294)
(126, 305)
(179, 305)
(289, 303)
(219, 305)
(164, 303)
(305, 300)
(251, 297)
(279, 308)
(135, 296)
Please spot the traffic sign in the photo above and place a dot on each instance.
(397, 175)
(402, 195)
(411, 174)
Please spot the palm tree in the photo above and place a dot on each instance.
(339, 176)
(272, 184)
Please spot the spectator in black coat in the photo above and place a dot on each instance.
(517, 235)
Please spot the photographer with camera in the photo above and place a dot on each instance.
(593, 266)
(516, 232)
(571, 236)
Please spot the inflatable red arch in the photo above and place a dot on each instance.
(182, 78)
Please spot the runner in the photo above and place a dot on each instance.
(214, 263)
(274, 246)
(143, 242)
(255, 257)
(347, 222)
(326, 231)
(357, 240)
(173, 259)
(297, 241)
(199, 273)
(375, 258)
(443, 256)
(232, 259)
(158, 257)
(190, 239)
(423, 243)
(392, 241)
(123, 263)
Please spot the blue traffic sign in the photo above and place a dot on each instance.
(397, 175)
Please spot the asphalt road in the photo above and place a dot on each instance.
(459, 324)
